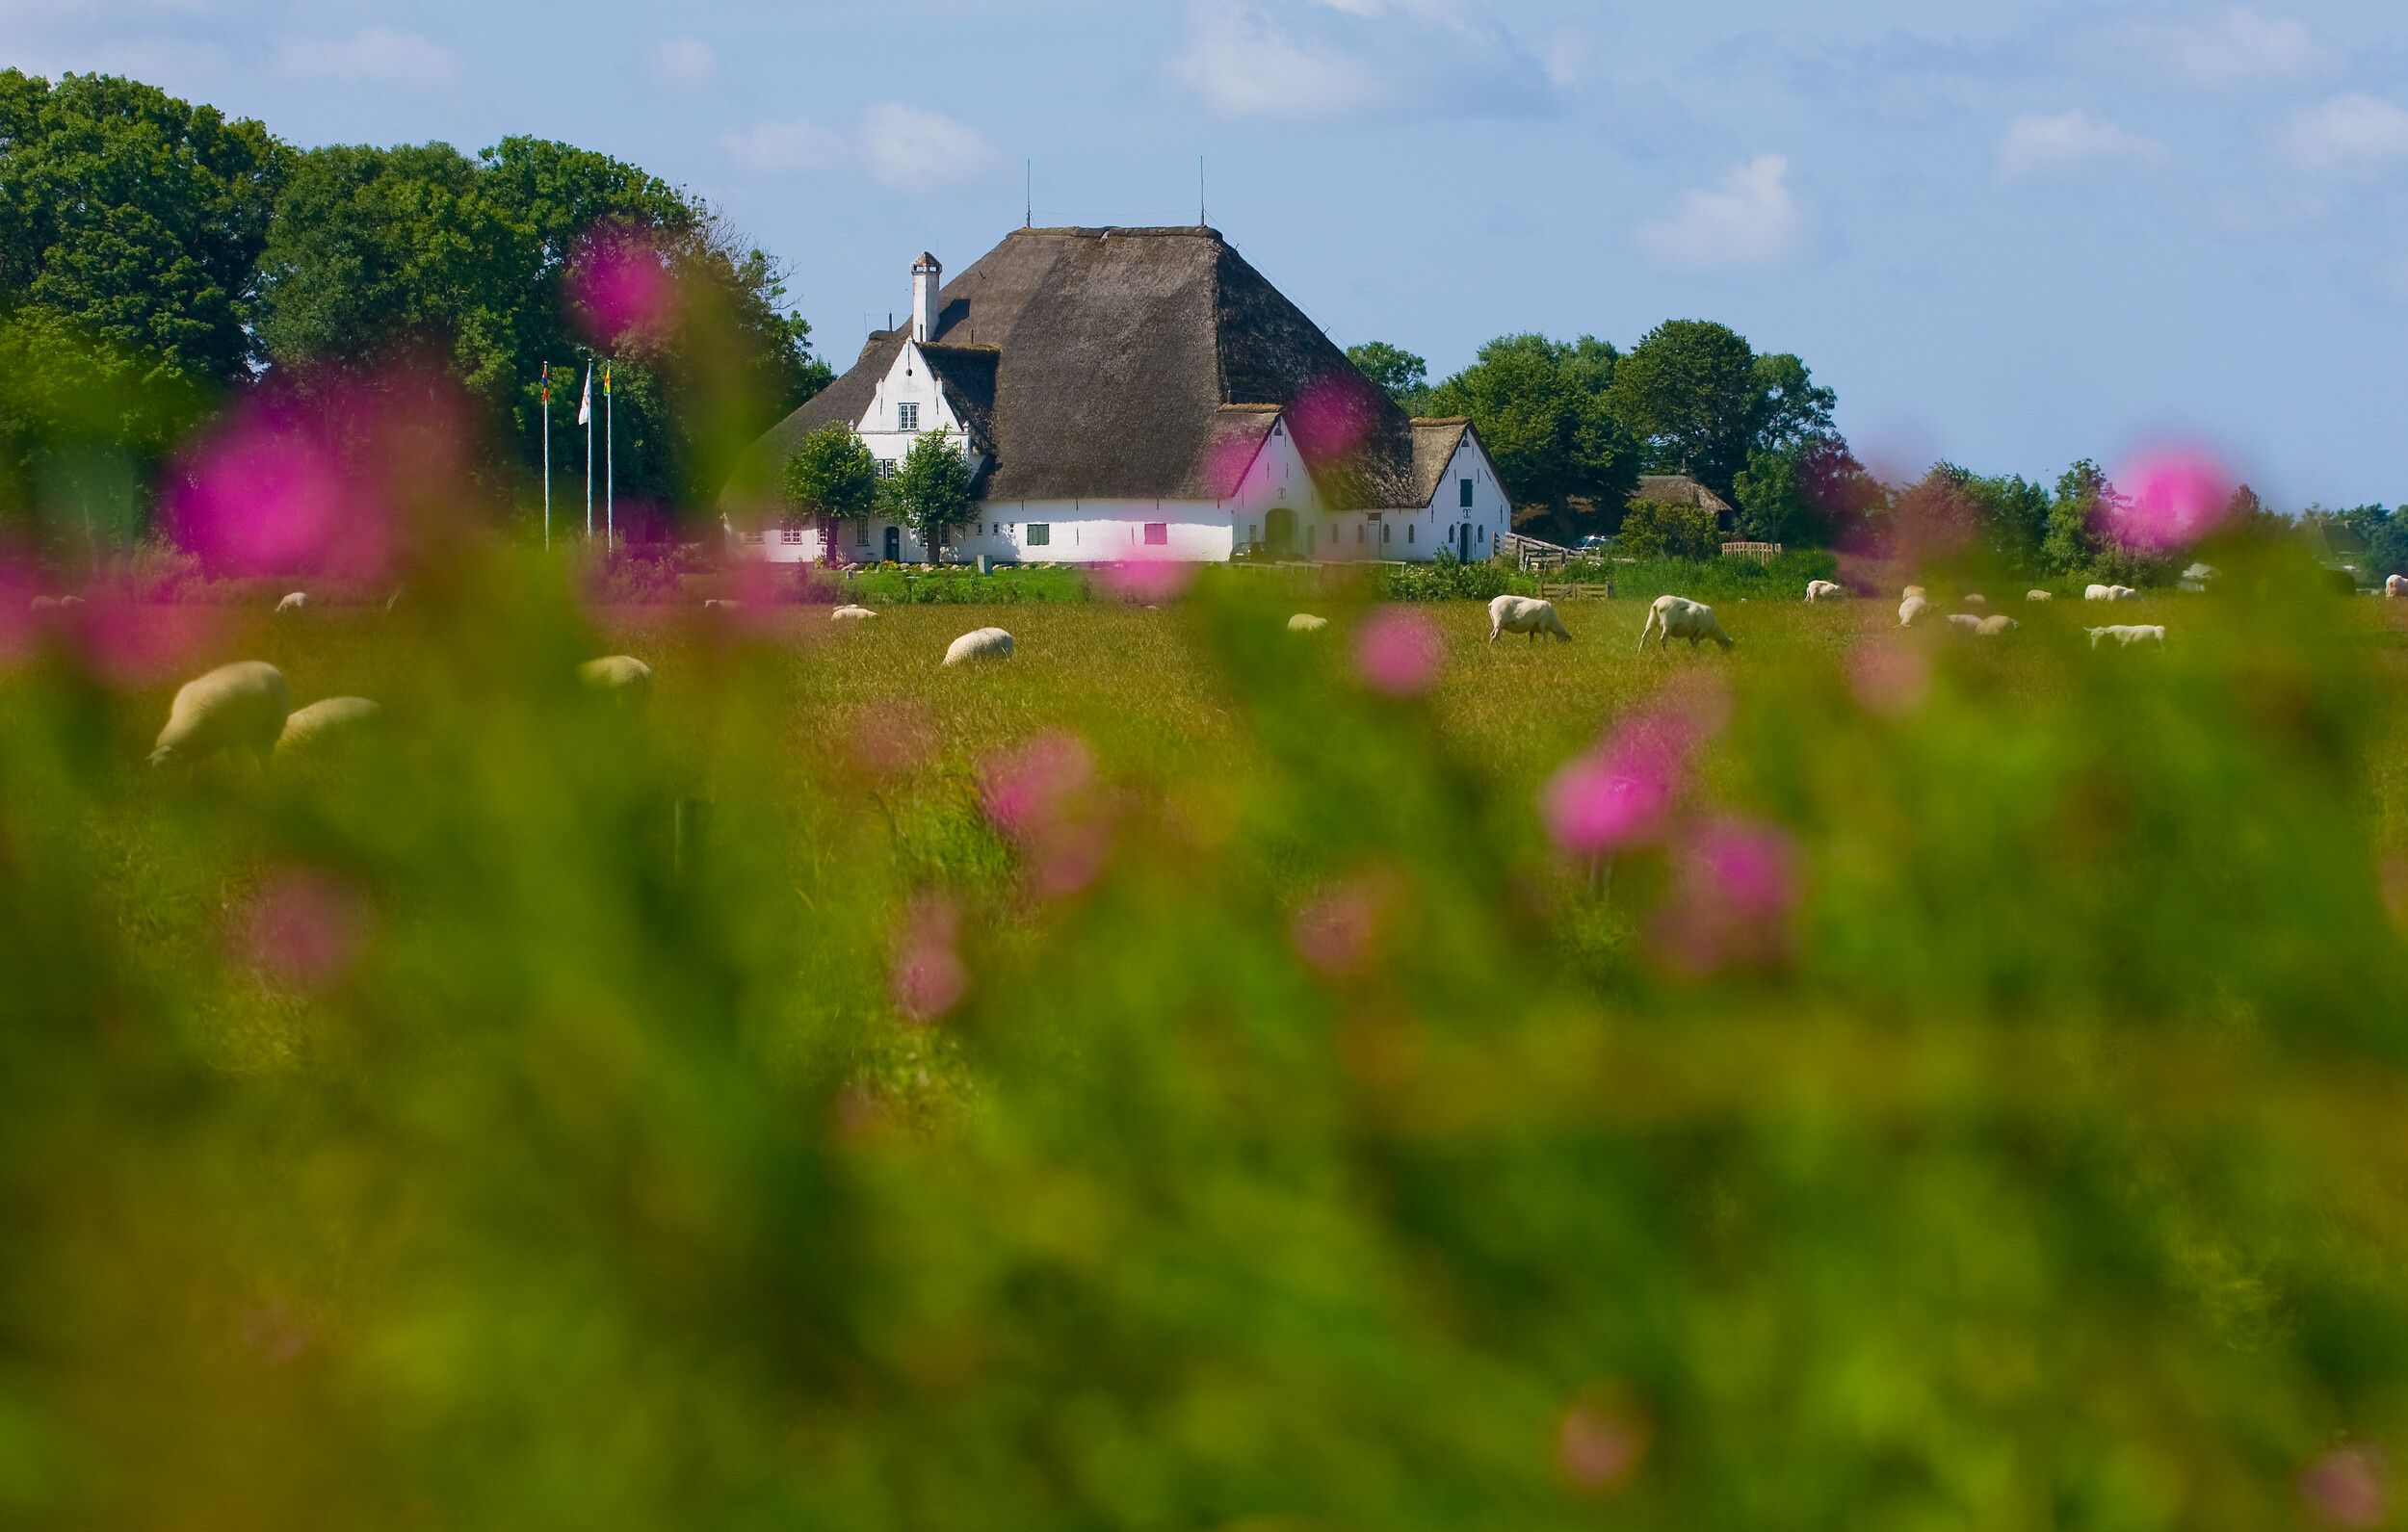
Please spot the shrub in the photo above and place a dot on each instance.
(1658, 530)
(1449, 580)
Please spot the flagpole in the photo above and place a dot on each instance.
(610, 476)
(584, 418)
(547, 457)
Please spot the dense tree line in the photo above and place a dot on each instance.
(157, 258)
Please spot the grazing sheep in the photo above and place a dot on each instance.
(723, 604)
(2394, 588)
(623, 677)
(1964, 621)
(1992, 627)
(979, 644)
(334, 716)
(236, 706)
(295, 602)
(850, 614)
(1826, 590)
(1912, 610)
(2098, 593)
(1525, 614)
(1976, 600)
(2128, 634)
(56, 603)
(2038, 595)
(1307, 622)
(1679, 618)
(1915, 593)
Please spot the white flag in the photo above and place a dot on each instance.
(584, 405)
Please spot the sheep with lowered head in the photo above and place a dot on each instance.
(1964, 621)
(622, 677)
(2038, 595)
(1914, 593)
(295, 601)
(1525, 614)
(2395, 588)
(1307, 622)
(979, 645)
(236, 706)
(850, 614)
(1912, 610)
(1992, 627)
(1679, 618)
(1826, 590)
(2125, 634)
(329, 718)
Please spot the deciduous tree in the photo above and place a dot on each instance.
(930, 489)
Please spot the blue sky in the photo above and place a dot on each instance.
(2009, 234)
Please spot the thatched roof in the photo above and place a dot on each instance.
(1434, 445)
(1118, 363)
(1677, 489)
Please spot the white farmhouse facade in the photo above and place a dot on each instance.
(1134, 394)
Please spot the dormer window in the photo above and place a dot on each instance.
(907, 417)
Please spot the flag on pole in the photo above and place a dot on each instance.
(548, 383)
(585, 403)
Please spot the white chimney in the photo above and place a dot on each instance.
(926, 273)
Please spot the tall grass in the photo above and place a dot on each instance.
(1973, 1100)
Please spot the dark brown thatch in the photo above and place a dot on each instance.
(1116, 355)
(1677, 489)
(1434, 445)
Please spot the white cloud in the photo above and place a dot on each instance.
(2037, 143)
(794, 143)
(2348, 134)
(909, 148)
(378, 56)
(685, 64)
(1321, 59)
(1751, 219)
(2240, 47)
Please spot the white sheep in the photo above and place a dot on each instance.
(723, 604)
(979, 644)
(2128, 634)
(1964, 621)
(1307, 622)
(1525, 614)
(2038, 595)
(1826, 590)
(295, 601)
(623, 677)
(1976, 600)
(2394, 588)
(236, 706)
(1992, 627)
(850, 614)
(332, 717)
(1914, 593)
(1912, 610)
(1679, 618)
(2098, 593)
(56, 603)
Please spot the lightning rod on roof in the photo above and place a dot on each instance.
(1028, 209)
(1200, 220)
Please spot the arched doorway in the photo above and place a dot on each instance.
(1280, 532)
(894, 545)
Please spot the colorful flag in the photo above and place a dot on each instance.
(548, 383)
(606, 379)
(584, 405)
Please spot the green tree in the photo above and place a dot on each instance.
(2013, 516)
(1809, 493)
(1399, 374)
(1791, 409)
(1654, 528)
(2075, 539)
(1540, 408)
(930, 489)
(1690, 392)
(135, 217)
(832, 478)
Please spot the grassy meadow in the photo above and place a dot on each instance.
(1199, 1074)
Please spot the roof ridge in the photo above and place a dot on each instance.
(1440, 419)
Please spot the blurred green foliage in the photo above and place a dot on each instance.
(456, 1130)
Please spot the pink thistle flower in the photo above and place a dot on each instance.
(1028, 791)
(1889, 679)
(1618, 793)
(928, 977)
(2174, 496)
(1337, 930)
(892, 740)
(621, 285)
(1334, 415)
(1222, 467)
(1149, 577)
(1735, 897)
(306, 929)
(1598, 1446)
(128, 645)
(1399, 651)
(2348, 1486)
(19, 585)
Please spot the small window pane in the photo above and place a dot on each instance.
(1463, 489)
(1157, 533)
(907, 417)
(1040, 533)
(861, 534)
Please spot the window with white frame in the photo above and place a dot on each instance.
(1383, 532)
(1040, 533)
(790, 535)
(885, 469)
(861, 532)
(907, 418)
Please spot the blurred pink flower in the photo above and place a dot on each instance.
(927, 978)
(2173, 496)
(2348, 1486)
(1333, 415)
(1599, 1445)
(1618, 793)
(1033, 789)
(1222, 467)
(127, 644)
(1890, 679)
(306, 929)
(20, 584)
(891, 740)
(1399, 651)
(1735, 897)
(621, 285)
(1148, 577)
(1337, 930)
